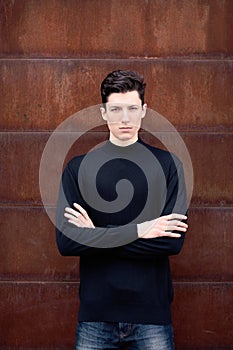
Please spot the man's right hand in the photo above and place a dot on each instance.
(163, 226)
(78, 217)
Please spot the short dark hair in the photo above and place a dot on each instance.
(122, 81)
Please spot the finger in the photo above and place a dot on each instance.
(79, 219)
(82, 211)
(77, 216)
(71, 216)
(169, 234)
(72, 211)
(85, 216)
(174, 216)
(176, 228)
(177, 223)
(173, 235)
(75, 223)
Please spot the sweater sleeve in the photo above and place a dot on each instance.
(75, 241)
(176, 202)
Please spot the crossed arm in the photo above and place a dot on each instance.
(160, 227)
(76, 233)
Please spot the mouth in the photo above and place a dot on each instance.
(125, 128)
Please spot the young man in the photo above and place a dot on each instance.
(115, 211)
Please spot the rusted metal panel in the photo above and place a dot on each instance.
(20, 159)
(57, 76)
(20, 164)
(40, 94)
(193, 95)
(117, 29)
(202, 316)
(38, 315)
(28, 250)
(21, 155)
(212, 163)
(207, 252)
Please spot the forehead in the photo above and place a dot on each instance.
(130, 97)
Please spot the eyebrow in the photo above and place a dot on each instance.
(115, 106)
(123, 104)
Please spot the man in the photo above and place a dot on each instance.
(123, 235)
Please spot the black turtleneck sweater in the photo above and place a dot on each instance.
(123, 278)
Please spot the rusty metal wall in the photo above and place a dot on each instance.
(53, 56)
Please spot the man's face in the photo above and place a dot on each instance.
(124, 112)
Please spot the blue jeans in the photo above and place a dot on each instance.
(114, 335)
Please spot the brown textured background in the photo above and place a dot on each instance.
(53, 56)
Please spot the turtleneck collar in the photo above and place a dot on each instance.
(121, 143)
(112, 148)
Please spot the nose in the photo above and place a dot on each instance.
(125, 116)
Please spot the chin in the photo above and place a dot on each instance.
(125, 137)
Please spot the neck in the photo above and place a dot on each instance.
(122, 143)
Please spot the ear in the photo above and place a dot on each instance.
(144, 108)
(103, 113)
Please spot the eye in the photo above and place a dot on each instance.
(133, 108)
(115, 109)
